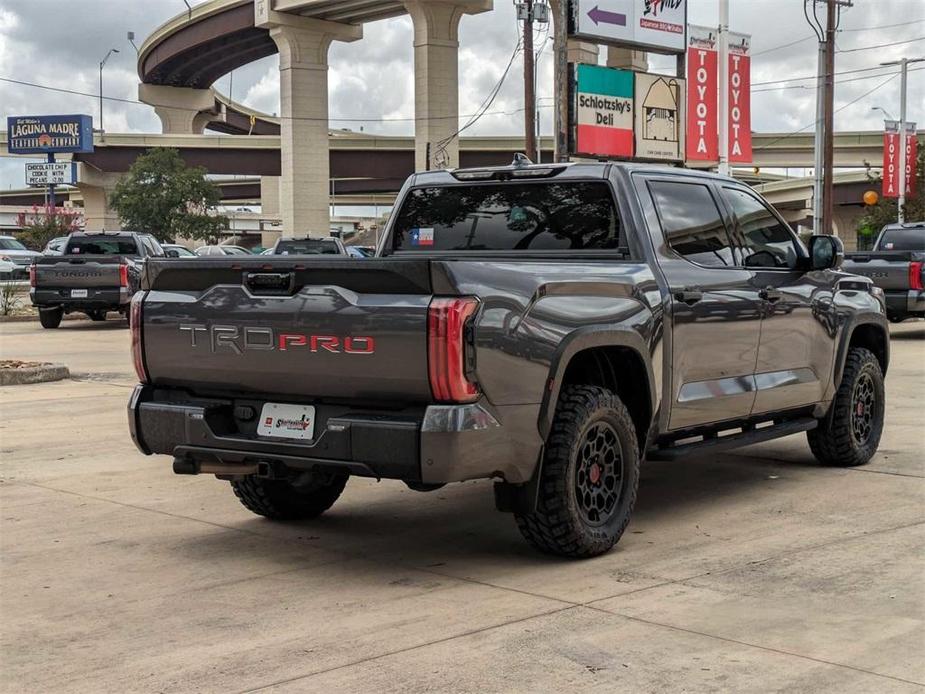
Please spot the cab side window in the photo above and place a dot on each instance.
(766, 241)
(692, 223)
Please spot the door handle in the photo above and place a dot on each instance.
(689, 295)
(770, 294)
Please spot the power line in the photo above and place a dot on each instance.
(838, 110)
(853, 79)
(807, 38)
(373, 119)
(813, 77)
(879, 45)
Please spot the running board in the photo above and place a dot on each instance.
(748, 436)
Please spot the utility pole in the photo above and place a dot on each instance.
(560, 49)
(904, 69)
(823, 160)
(529, 83)
(723, 88)
(828, 151)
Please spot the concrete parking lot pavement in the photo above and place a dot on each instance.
(756, 570)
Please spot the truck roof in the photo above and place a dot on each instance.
(521, 170)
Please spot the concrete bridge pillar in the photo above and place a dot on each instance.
(583, 52)
(96, 188)
(303, 85)
(436, 78)
(627, 59)
(183, 111)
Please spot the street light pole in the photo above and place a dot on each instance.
(102, 63)
(904, 69)
(723, 87)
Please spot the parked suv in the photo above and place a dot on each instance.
(548, 327)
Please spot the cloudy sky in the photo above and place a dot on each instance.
(59, 43)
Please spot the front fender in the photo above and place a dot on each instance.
(590, 337)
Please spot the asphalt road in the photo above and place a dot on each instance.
(755, 570)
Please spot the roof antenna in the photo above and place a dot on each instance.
(521, 160)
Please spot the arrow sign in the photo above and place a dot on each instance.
(598, 15)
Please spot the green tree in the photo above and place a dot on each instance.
(163, 196)
(886, 210)
(43, 224)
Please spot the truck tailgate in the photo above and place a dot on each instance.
(78, 272)
(888, 269)
(298, 329)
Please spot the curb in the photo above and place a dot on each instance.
(35, 374)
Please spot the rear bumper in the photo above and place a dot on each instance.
(905, 303)
(433, 445)
(96, 298)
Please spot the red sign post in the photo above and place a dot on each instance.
(891, 159)
(702, 97)
(912, 151)
(740, 100)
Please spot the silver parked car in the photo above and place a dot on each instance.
(15, 258)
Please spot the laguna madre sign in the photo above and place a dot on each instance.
(49, 134)
(623, 114)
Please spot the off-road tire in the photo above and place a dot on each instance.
(834, 442)
(50, 317)
(559, 525)
(280, 500)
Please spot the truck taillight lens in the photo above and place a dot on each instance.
(447, 342)
(134, 321)
(32, 275)
(123, 275)
(915, 275)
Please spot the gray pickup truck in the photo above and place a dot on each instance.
(95, 273)
(896, 265)
(544, 326)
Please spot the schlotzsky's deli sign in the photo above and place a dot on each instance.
(49, 134)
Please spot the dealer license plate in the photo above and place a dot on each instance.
(287, 421)
(78, 293)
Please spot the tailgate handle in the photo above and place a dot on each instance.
(270, 283)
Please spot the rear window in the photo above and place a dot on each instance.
(508, 216)
(903, 240)
(101, 245)
(11, 245)
(307, 247)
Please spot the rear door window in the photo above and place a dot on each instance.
(903, 239)
(307, 247)
(508, 216)
(101, 245)
(692, 223)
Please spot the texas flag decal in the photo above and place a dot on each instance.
(422, 237)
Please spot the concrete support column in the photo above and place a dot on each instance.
(583, 52)
(96, 187)
(627, 59)
(436, 78)
(303, 85)
(182, 111)
(269, 195)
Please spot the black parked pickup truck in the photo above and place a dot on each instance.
(545, 326)
(95, 273)
(896, 265)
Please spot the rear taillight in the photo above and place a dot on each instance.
(134, 321)
(32, 275)
(123, 275)
(447, 343)
(915, 275)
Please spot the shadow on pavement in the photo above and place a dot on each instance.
(459, 522)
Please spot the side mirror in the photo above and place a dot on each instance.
(825, 252)
(172, 253)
